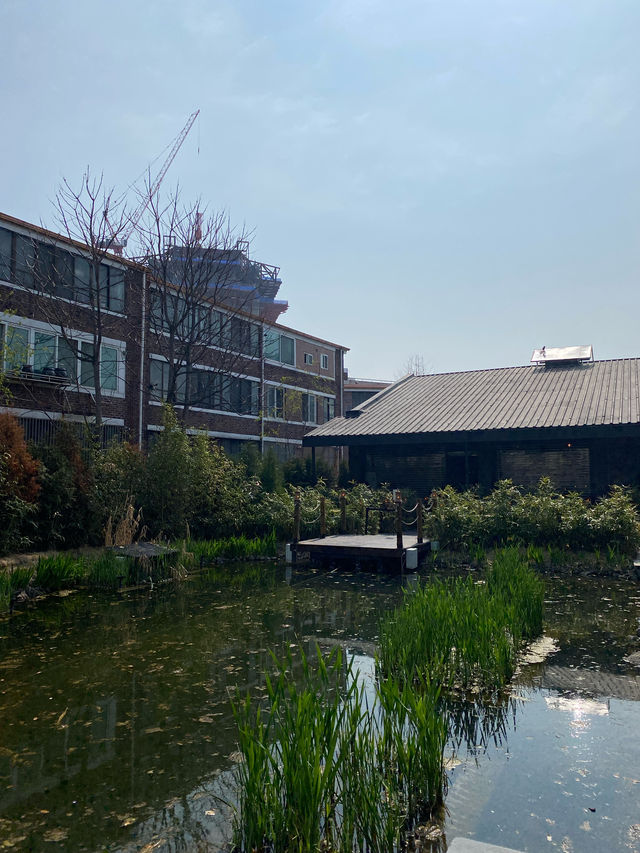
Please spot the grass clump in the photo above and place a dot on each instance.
(322, 770)
(462, 633)
(233, 548)
(59, 571)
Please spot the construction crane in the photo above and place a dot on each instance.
(118, 242)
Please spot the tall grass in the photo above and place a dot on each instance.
(110, 571)
(12, 580)
(59, 571)
(233, 548)
(321, 770)
(463, 633)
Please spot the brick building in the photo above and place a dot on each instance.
(62, 335)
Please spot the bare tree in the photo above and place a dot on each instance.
(83, 292)
(204, 293)
(415, 364)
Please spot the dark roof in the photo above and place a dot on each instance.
(511, 398)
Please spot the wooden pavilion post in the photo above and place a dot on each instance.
(399, 522)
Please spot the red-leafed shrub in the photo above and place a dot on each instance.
(20, 468)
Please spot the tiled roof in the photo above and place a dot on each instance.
(596, 393)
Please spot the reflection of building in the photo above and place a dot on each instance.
(256, 381)
(574, 420)
(586, 682)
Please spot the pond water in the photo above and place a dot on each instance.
(116, 731)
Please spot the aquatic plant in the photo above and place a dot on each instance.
(109, 571)
(59, 571)
(463, 633)
(322, 769)
(233, 547)
(13, 580)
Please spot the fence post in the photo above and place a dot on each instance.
(343, 512)
(399, 522)
(419, 522)
(323, 518)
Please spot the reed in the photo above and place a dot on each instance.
(109, 570)
(59, 571)
(233, 548)
(464, 634)
(322, 770)
(13, 580)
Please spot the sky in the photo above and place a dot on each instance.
(448, 182)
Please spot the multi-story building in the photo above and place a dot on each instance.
(85, 338)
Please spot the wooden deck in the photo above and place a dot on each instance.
(379, 548)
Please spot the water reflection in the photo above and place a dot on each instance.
(117, 733)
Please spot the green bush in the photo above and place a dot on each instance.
(544, 518)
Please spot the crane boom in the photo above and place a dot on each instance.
(180, 138)
(117, 244)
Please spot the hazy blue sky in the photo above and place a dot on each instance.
(454, 179)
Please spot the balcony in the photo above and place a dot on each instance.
(56, 376)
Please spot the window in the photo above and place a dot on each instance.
(279, 347)
(308, 358)
(87, 352)
(275, 402)
(16, 347)
(109, 368)
(159, 380)
(324, 361)
(44, 352)
(329, 408)
(82, 276)
(309, 409)
(5, 254)
(287, 350)
(25, 261)
(67, 358)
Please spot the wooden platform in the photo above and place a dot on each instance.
(378, 548)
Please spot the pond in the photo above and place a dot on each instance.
(116, 731)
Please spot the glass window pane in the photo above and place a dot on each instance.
(272, 345)
(287, 350)
(64, 274)
(5, 254)
(17, 348)
(158, 378)
(82, 277)
(116, 289)
(109, 368)
(25, 261)
(181, 385)
(44, 351)
(67, 358)
(216, 328)
(103, 285)
(46, 269)
(329, 409)
(87, 376)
